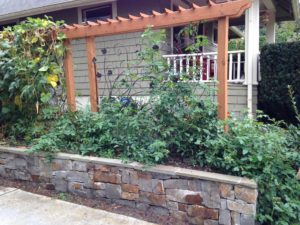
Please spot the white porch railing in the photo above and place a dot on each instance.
(202, 67)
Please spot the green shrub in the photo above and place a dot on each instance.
(172, 120)
(280, 67)
(264, 153)
(31, 56)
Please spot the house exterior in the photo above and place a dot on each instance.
(113, 52)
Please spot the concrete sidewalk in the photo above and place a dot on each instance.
(18, 207)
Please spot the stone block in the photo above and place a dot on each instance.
(107, 177)
(211, 222)
(158, 187)
(80, 166)
(129, 196)
(125, 176)
(102, 168)
(59, 174)
(59, 164)
(203, 212)
(144, 175)
(180, 216)
(182, 207)
(241, 207)
(144, 184)
(196, 220)
(246, 194)
(131, 204)
(172, 205)
(176, 184)
(247, 219)
(158, 210)
(210, 187)
(99, 186)
(212, 200)
(99, 194)
(224, 218)
(223, 204)
(78, 189)
(2, 161)
(130, 188)
(82, 177)
(153, 199)
(235, 218)
(184, 196)
(113, 191)
(226, 191)
(60, 185)
(142, 206)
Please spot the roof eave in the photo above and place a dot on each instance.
(50, 8)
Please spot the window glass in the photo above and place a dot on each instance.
(97, 13)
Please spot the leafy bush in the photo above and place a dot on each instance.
(264, 153)
(173, 120)
(30, 68)
(280, 67)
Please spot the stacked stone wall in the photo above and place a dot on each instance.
(194, 197)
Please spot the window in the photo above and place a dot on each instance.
(97, 13)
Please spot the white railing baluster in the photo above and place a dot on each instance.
(239, 67)
(230, 67)
(194, 68)
(174, 66)
(180, 65)
(208, 68)
(215, 68)
(201, 68)
(187, 61)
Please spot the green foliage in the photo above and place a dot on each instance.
(30, 68)
(288, 32)
(264, 153)
(280, 68)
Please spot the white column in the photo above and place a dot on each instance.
(252, 49)
(271, 28)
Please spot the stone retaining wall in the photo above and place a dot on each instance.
(194, 197)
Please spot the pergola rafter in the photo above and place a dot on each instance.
(157, 20)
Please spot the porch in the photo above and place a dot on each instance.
(202, 67)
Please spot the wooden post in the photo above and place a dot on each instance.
(91, 55)
(223, 27)
(69, 76)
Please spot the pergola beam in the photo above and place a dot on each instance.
(182, 17)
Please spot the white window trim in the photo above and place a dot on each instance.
(113, 4)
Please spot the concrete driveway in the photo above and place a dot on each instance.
(18, 207)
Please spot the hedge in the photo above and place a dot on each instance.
(280, 67)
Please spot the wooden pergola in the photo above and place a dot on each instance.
(221, 12)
